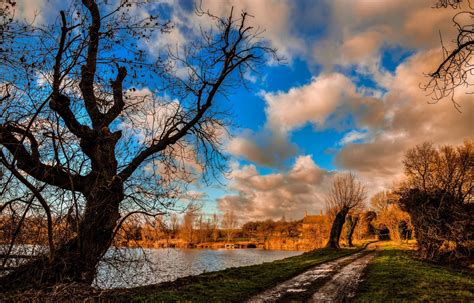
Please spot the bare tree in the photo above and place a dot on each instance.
(174, 225)
(204, 226)
(111, 143)
(215, 227)
(366, 227)
(188, 226)
(229, 224)
(382, 200)
(447, 169)
(456, 68)
(346, 194)
(351, 222)
(438, 195)
(389, 214)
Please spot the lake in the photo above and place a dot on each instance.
(130, 267)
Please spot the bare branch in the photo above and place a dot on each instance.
(31, 163)
(89, 68)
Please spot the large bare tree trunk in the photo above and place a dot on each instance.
(77, 259)
(352, 220)
(336, 229)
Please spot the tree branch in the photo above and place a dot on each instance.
(59, 102)
(460, 48)
(117, 87)
(89, 68)
(233, 56)
(39, 197)
(171, 139)
(31, 164)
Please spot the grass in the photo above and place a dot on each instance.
(396, 276)
(230, 285)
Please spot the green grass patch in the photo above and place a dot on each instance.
(230, 285)
(396, 276)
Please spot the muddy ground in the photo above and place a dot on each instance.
(334, 281)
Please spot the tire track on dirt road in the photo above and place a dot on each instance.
(333, 281)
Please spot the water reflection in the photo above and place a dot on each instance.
(129, 267)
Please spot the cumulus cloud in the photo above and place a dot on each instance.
(324, 102)
(273, 17)
(313, 102)
(275, 195)
(409, 119)
(264, 148)
(360, 29)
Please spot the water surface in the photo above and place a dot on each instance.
(151, 266)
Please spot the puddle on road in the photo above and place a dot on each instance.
(344, 283)
(345, 272)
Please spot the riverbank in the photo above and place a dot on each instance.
(230, 285)
(396, 275)
(274, 243)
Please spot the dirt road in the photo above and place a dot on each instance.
(334, 281)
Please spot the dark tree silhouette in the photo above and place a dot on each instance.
(85, 133)
(438, 195)
(456, 68)
(352, 221)
(346, 194)
(368, 229)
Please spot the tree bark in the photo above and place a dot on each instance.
(77, 259)
(336, 229)
(352, 220)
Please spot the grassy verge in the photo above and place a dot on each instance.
(230, 285)
(395, 275)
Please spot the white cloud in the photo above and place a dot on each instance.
(272, 17)
(325, 103)
(313, 102)
(352, 136)
(264, 148)
(149, 115)
(275, 195)
(359, 29)
(409, 119)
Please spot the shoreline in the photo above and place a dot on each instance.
(413, 279)
(217, 286)
(289, 244)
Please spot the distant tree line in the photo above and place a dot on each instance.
(263, 230)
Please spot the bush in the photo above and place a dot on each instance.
(438, 195)
(443, 225)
